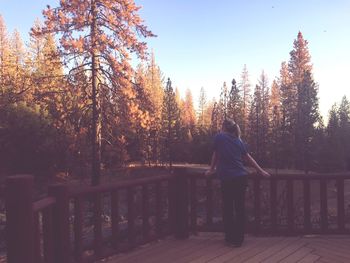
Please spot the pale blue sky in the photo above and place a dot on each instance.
(204, 43)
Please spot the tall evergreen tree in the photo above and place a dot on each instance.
(202, 103)
(254, 131)
(170, 122)
(4, 63)
(264, 123)
(288, 116)
(307, 119)
(344, 131)
(300, 59)
(102, 33)
(332, 160)
(235, 104)
(18, 77)
(189, 115)
(215, 118)
(222, 104)
(306, 115)
(154, 79)
(275, 125)
(244, 86)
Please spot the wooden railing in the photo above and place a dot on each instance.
(90, 223)
(301, 214)
(56, 228)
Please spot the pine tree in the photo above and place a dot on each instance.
(143, 128)
(189, 115)
(46, 73)
(4, 63)
(288, 116)
(333, 153)
(215, 125)
(344, 131)
(18, 77)
(154, 78)
(202, 103)
(307, 118)
(234, 104)
(264, 123)
(306, 114)
(208, 113)
(222, 104)
(300, 59)
(254, 131)
(275, 125)
(102, 33)
(170, 122)
(244, 86)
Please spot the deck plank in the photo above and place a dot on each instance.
(211, 248)
(270, 251)
(309, 259)
(286, 251)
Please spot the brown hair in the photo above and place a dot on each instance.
(231, 127)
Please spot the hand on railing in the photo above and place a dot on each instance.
(209, 172)
(264, 173)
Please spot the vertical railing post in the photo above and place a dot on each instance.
(323, 200)
(273, 204)
(61, 242)
(193, 195)
(307, 206)
(290, 206)
(180, 202)
(19, 219)
(257, 215)
(209, 202)
(340, 206)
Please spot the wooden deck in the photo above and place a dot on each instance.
(210, 247)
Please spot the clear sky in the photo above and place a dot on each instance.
(202, 43)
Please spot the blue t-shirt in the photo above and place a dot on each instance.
(229, 150)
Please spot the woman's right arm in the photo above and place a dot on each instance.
(253, 163)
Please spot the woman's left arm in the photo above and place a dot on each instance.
(252, 162)
(213, 163)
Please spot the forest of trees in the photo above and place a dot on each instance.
(70, 101)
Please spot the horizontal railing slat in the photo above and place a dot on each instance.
(43, 203)
(89, 190)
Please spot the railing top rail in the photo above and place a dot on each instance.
(43, 203)
(85, 190)
(296, 176)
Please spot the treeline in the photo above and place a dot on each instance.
(51, 119)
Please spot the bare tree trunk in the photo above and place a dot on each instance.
(96, 115)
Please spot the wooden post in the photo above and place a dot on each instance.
(273, 204)
(193, 194)
(115, 218)
(307, 206)
(179, 195)
(158, 209)
(131, 217)
(257, 198)
(61, 244)
(19, 219)
(340, 202)
(209, 202)
(323, 200)
(78, 229)
(145, 213)
(290, 206)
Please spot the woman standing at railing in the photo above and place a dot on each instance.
(229, 153)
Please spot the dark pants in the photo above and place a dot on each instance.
(233, 199)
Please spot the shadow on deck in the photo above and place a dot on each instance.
(210, 247)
